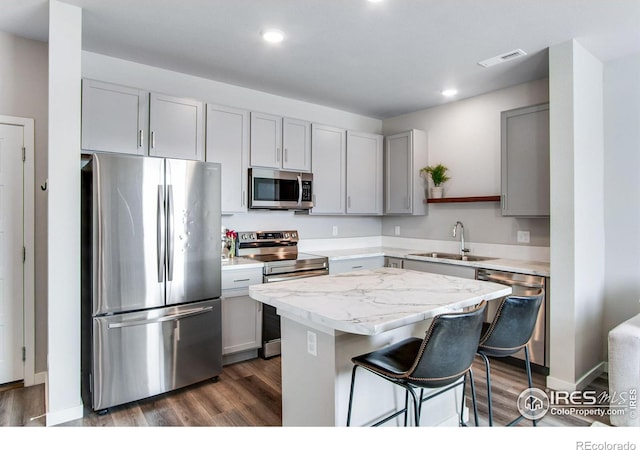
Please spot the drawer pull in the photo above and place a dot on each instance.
(240, 281)
(356, 267)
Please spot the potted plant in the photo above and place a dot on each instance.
(438, 175)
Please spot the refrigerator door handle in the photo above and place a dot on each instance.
(182, 315)
(170, 231)
(160, 239)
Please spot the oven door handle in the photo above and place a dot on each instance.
(295, 275)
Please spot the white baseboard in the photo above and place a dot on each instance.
(563, 385)
(65, 415)
(40, 378)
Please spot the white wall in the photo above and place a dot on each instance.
(63, 359)
(129, 73)
(622, 191)
(577, 216)
(23, 93)
(465, 137)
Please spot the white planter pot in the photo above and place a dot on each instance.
(436, 192)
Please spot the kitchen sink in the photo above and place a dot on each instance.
(455, 256)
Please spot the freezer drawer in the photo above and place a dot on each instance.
(138, 355)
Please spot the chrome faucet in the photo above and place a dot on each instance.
(462, 249)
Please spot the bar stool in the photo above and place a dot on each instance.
(509, 332)
(442, 359)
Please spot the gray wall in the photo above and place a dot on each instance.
(465, 136)
(622, 190)
(23, 93)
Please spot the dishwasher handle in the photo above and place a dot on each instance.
(483, 276)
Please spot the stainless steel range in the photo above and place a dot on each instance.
(278, 250)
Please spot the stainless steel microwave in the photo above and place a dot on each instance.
(280, 189)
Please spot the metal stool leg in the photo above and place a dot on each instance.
(473, 396)
(406, 407)
(489, 402)
(353, 379)
(528, 363)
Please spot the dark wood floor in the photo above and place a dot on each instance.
(248, 394)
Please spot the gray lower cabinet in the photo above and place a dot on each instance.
(441, 268)
(351, 264)
(525, 161)
(241, 315)
(123, 119)
(228, 143)
(397, 263)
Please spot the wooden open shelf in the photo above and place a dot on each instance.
(486, 198)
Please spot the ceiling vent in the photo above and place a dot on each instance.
(513, 54)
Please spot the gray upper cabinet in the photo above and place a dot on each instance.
(228, 143)
(364, 173)
(329, 155)
(176, 126)
(405, 154)
(525, 161)
(114, 118)
(296, 143)
(266, 140)
(128, 120)
(280, 143)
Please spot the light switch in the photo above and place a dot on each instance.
(397, 230)
(523, 237)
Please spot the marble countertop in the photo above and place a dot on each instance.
(509, 265)
(238, 262)
(370, 302)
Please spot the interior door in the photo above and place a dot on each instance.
(11, 253)
(193, 231)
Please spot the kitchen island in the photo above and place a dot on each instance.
(325, 321)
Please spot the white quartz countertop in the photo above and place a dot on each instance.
(370, 302)
(509, 265)
(238, 262)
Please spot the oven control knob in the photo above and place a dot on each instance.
(244, 236)
(293, 235)
(286, 235)
(252, 236)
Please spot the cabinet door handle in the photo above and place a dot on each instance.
(243, 195)
(153, 139)
(349, 201)
(141, 140)
(278, 154)
(285, 155)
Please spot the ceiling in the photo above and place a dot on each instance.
(376, 59)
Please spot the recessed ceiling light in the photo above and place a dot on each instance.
(273, 36)
(449, 92)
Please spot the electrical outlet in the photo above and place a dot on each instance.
(397, 230)
(335, 230)
(312, 343)
(523, 237)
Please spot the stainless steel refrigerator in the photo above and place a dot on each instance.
(150, 276)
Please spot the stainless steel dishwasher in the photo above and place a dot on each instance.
(524, 285)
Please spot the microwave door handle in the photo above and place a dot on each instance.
(299, 190)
